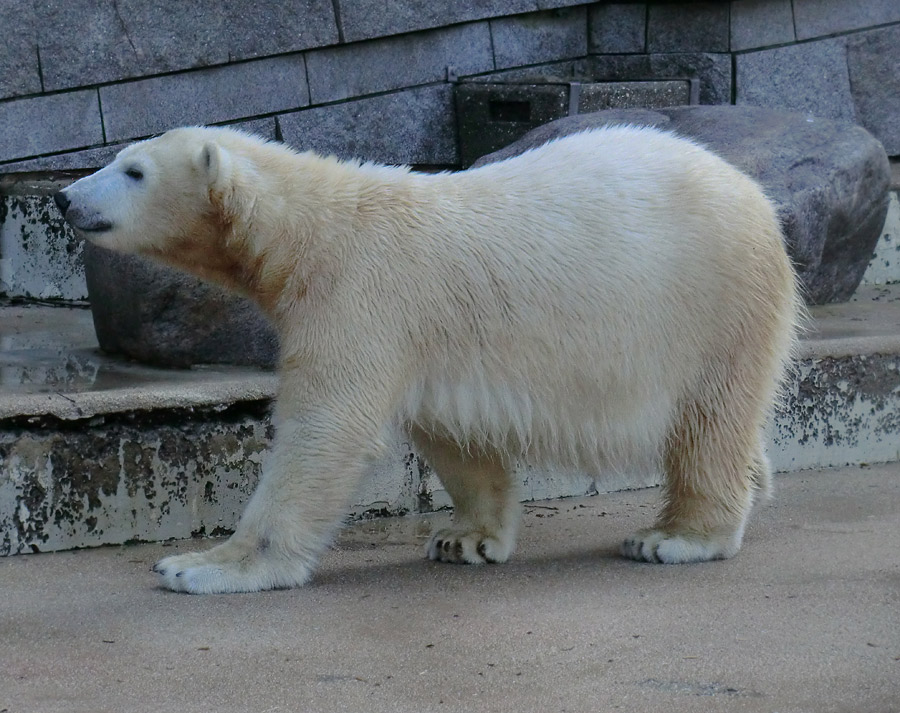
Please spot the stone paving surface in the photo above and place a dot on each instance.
(805, 619)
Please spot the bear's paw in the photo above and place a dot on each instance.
(661, 547)
(229, 568)
(465, 546)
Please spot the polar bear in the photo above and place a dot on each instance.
(620, 297)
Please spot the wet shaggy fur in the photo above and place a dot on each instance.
(619, 297)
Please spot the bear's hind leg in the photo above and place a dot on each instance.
(485, 501)
(713, 468)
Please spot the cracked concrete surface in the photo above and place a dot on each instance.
(805, 619)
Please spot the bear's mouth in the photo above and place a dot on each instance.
(90, 225)
(102, 226)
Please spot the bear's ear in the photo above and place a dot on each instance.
(215, 163)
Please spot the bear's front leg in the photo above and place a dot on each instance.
(315, 466)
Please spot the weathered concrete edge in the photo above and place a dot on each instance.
(204, 392)
(812, 349)
(838, 411)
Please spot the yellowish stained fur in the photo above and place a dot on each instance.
(613, 298)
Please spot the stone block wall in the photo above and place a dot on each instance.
(79, 78)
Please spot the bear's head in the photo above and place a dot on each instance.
(157, 195)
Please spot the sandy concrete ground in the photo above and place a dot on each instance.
(805, 618)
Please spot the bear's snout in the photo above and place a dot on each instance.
(62, 202)
(86, 220)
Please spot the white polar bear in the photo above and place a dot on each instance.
(617, 297)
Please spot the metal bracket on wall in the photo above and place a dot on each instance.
(574, 97)
(694, 91)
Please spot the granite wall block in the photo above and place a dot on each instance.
(46, 124)
(97, 41)
(207, 96)
(808, 78)
(873, 60)
(760, 23)
(815, 18)
(539, 37)
(687, 27)
(367, 19)
(382, 65)
(258, 29)
(19, 73)
(416, 126)
(617, 28)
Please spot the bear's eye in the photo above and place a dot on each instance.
(134, 173)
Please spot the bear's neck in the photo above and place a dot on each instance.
(306, 233)
(301, 224)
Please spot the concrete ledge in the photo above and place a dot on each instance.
(869, 325)
(197, 389)
(50, 365)
(839, 411)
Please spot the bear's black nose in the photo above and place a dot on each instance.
(62, 202)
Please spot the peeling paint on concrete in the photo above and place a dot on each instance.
(160, 475)
(123, 479)
(839, 412)
(40, 257)
(884, 267)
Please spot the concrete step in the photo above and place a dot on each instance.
(94, 450)
(805, 618)
(843, 406)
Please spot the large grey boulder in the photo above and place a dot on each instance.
(828, 179)
(162, 316)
